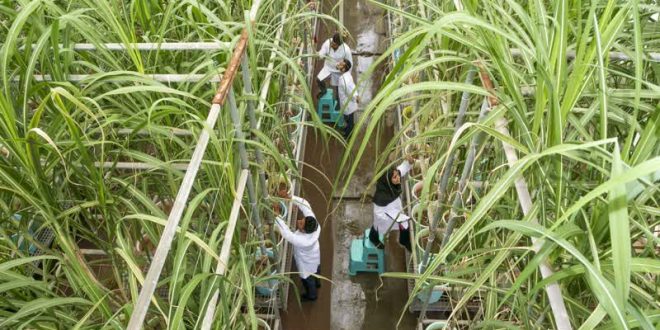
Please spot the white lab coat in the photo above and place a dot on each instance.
(332, 57)
(384, 216)
(347, 96)
(306, 248)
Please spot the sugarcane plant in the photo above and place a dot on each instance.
(549, 206)
(94, 148)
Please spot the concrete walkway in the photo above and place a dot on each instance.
(363, 301)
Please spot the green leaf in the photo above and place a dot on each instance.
(619, 230)
(609, 299)
(42, 304)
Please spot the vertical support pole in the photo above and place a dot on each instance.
(341, 12)
(226, 248)
(165, 243)
(247, 87)
(552, 289)
(444, 181)
(245, 165)
(462, 183)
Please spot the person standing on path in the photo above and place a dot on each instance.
(348, 96)
(305, 241)
(388, 209)
(332, 51)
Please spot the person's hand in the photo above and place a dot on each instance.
(283, 193)
(311, 5)
(410, 158)
(276, 208)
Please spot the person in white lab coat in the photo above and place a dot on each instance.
(348, 96)
(388, 210)
(305, 241)
(332, 51)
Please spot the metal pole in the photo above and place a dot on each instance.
(465, 100)
(252, 200)
(247, 87)
(166, 78)
(245, 165)
(525, 200)
(226, 247)
(165, 243)
(467, 169)
(168, 46)
(462, 183)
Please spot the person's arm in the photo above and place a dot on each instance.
(352, 91)
(303, 206)
(325, 49)
(348, 54)
(296, 240)
(404, 168)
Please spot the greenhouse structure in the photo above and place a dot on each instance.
(179, 164)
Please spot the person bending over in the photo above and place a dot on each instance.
(332, 51)
(388, 209)
(305, 241)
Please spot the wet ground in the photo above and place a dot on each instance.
(363, 301)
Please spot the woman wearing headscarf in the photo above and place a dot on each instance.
(388, 209)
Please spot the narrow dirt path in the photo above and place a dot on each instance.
(357, 302)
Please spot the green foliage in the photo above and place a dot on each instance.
(55, 136)
(584, 126)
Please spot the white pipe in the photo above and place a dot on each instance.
(168, 78)
(141, 166)
(616, 56)
(525, 199)
(165, 243)
(168, 46)
(226, 247)
(269, 70)
(174, 131)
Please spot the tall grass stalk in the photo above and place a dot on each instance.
(54, 135)
(589, 116)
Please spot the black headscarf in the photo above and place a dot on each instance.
(386, 191)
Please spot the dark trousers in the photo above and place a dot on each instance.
(310, 286)
(404, 238)
(349, 123)
(322, 86)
